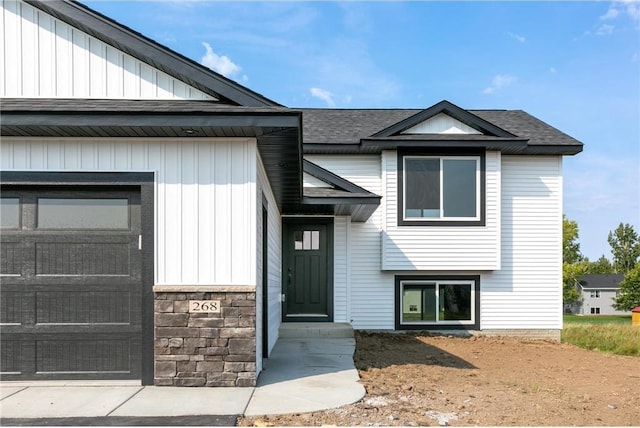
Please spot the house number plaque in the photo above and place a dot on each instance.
(204, 306)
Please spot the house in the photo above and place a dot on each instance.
(597, 294)
(161, 222)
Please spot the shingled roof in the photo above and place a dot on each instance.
(601, 281)
(344, 131)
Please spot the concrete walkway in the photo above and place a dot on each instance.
(301, 375)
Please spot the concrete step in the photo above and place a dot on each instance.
(302, 330)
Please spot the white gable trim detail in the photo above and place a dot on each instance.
(442, 123)
(311, 181)
(45, 57)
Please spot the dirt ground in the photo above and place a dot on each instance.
(419, 380)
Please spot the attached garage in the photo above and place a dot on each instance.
(127, 195)
(73, 301)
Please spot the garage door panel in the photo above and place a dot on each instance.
(83, 355)
(75, 357)
(12, 357)
(70, 296)
(85, 259)
(11, 257)
(86, 307)
(11, 308)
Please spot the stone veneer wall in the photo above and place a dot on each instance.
(205, 349)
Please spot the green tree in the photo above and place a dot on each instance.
(573, 262)
(602, 265)
(629, 296)
(570, 246)
(625, 248)
(571, 274)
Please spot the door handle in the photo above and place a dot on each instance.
(289, 274)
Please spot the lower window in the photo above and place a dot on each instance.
(437, 302)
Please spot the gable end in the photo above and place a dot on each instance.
(151, 52)
(469, 119)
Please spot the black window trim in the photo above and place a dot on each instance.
(399, 279)
(440, 153)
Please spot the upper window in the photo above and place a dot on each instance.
(595, 293)
(441, 190)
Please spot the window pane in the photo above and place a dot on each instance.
(455, 302)
(459, 187)
(297, 238)
(306, 241)
(83, 213)
(315, 239)
(10, 213)
(419, 303)
(422, 187)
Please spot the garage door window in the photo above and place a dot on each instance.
(83, 213)
(10, 213)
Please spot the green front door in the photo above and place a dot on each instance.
(308, 270)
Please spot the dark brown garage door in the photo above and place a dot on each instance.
(70, 293)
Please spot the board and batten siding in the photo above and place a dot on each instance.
(369, 304)
(274, 267)
(205, 203)
(526, 293)
(429, 248)
(45, 57)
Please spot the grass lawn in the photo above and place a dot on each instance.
(597, 319)
(607, 333)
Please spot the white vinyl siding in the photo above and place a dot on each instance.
(45, 57)
(274, 249)
(526, 293)
(341, 258)
(204, 197)
(429, 248)
(605, 302)
(372, 291)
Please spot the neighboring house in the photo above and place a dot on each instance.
(597, 294)
(160, 221)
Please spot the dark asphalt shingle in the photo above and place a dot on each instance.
(346, 126)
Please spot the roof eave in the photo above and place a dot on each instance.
(510, 146)
(359, 209)
(558, 149)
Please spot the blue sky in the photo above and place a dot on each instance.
(574, 65)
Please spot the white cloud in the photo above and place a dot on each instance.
(219, 63)
(604, 30)
(323, 95)
(633, 10)
(552, 70)
(517, 37)
(612, 13)
(498, 82)
(629, 7)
